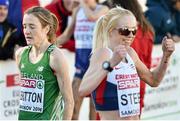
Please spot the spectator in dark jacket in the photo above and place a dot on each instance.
(15, 13)
(176, 6)
(8, 36)
(165, 17)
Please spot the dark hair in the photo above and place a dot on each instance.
(136, 9)
(46, 18)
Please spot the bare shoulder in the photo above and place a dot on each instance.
(57, 54)
(56, 51)
(57, 57)
(19, 52)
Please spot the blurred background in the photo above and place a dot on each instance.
(159, 103)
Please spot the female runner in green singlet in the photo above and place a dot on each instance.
(46, 92)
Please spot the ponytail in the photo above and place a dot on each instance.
(98, 34)
(53, 28)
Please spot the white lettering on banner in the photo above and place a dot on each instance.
(161, 105)
(128, 94)
(32, 95)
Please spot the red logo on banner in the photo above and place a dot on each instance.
(12, 80)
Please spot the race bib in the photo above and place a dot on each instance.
(32, 95)
(128, 96)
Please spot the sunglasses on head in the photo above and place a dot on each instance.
(125, 31)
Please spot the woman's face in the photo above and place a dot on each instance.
(124, 32)
(33, 31)
(3, 13)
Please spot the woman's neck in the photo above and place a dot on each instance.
(41, 48)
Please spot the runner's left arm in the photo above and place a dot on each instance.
(154, 77)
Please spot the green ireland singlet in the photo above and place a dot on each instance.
(40, 97)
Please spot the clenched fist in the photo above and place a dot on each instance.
(118, 54)
(168, 46)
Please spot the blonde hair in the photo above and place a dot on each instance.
(105, 24)
(46, 18)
